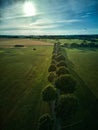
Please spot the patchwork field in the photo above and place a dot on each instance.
(23, 74)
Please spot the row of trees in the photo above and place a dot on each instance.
(58, 93)
(83, 44)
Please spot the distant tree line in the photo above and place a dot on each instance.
(83, 37)
(85, 44)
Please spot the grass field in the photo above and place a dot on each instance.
(85, 63)
(23, 74)
(83, 66)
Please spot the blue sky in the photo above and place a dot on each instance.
(59, 17)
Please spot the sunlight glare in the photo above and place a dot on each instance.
(29, 9)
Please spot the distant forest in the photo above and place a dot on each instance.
(84, 37)
(93, 43)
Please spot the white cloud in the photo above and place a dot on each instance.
(69, 21)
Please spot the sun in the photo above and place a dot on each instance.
(29, 9)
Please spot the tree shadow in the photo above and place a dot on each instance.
(83, 49)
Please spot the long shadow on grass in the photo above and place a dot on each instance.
(88, 104)
(86, 49)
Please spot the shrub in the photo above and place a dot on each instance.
(34, 49)
(18, 45)
(62, 70)
(65, 83)
(52, 68)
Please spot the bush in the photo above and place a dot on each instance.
(61, 63)
(67, 107)
(52, 68)
(34, 49)
(18, 45)
(51, 76)
(65, 83)
(62, 70)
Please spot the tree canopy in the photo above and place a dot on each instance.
(65, 83)
(66, 107)
(51, 77)
(62, 70)
(45, 122)
(49, 93)
(52, 68)
(61, 63)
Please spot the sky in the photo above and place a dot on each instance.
(48, 17)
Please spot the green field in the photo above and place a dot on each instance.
(23, 74)
(85, 63)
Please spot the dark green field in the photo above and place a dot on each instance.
(83, 65)
(23, 74)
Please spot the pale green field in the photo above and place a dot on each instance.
(69, 41)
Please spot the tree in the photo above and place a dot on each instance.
(74, 45)
(59, 53)
(62, 70)
(61, 63)
(60, 57)
(67, 107)
(51, 77)
(49, 95)
(65, 83)
(54, 56)
(52, 68)
(45, 122)
(66, 45)
(53, 62)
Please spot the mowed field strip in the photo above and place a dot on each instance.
(23, 74)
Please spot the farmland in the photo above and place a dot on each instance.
(7, 42)
(83, 66)
(85, 63)
(23, 74)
